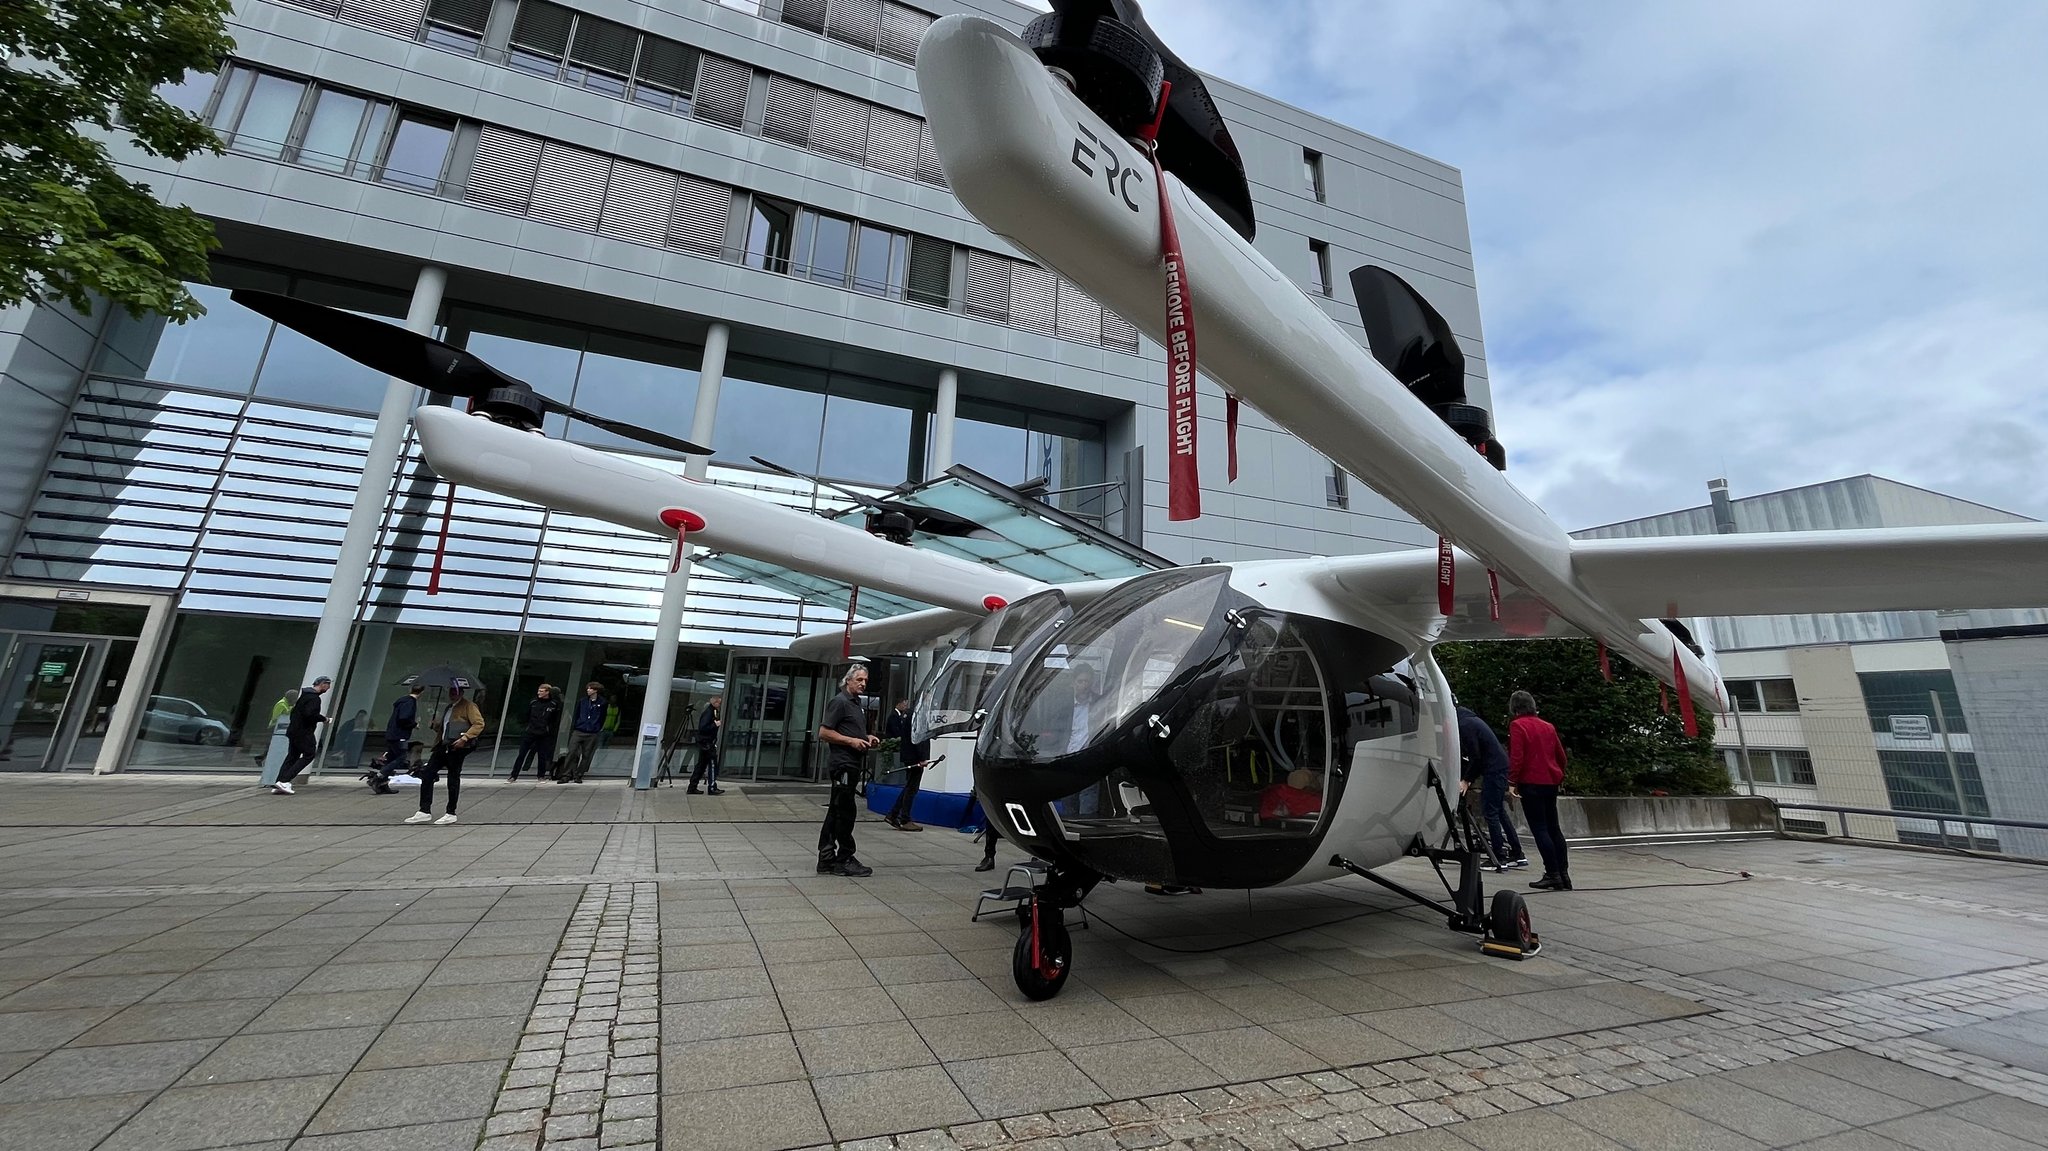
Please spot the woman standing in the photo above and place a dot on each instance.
(1536, 760)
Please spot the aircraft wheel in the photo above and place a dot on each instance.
(1055, 956)
(1509, 922)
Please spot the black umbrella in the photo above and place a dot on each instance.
(441, 675)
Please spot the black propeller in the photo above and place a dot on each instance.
(439, 367)
(1117, 63)
(890, 519)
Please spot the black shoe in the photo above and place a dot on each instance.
(1564, 882)
(988, 864)
(854, 869)
(1547, 883)
(716, 791)
(692, 791)
(828, 867)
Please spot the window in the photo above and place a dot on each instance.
(601, 56)
(1337, 489)
(880, 26)
(1774, 696)
(457, 25)
(647, 383)
(1312, 172)
(265, 120)
(297, 370)
(823, 247)
(770, 235)
(1319, 267)
(776, 423)
(665, 76)
(1926, 781)
(330, 140)
(215, 352)
(1890, 693)
(191, 94)
(418, 152)
(540, 37)
(879, 256)
(867, 432)
(1784, 767)
(931, 272)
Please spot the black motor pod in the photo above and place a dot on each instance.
(1117, 63)
(516, 406)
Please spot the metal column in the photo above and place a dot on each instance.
(352, 567)
(943, 414)
(668, 626)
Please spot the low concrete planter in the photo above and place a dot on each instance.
(1619, 817)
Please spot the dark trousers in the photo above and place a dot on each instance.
(912, 776)
(582, 745)
(446, 757)
(1539, 804)
(531, 746)
(989, 838)
(394, 752)
(835, 839)
(1500, 826)
(299, 751)
(707, 764)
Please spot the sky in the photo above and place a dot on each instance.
(1777, 242)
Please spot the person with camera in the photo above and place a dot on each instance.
(845, 728)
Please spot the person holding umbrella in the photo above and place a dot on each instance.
(460, 728)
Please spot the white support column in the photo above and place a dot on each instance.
(668, 626)
(943, 413)
(352, 567)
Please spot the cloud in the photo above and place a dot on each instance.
(1781, 243)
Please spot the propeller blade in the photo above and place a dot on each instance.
(629, 431)
(866, 501)
(385, 347)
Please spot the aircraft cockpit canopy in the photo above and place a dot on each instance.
(1177, 727)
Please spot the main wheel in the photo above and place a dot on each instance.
(1509, 921)
(1055, 956)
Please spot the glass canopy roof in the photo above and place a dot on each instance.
(1021, 535)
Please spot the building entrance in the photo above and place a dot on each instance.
(56, 696)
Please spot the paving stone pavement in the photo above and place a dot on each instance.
(184, 966)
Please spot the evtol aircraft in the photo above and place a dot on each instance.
(1136, 730)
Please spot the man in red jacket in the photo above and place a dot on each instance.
(1536, 760)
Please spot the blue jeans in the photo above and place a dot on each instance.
(1500, 826)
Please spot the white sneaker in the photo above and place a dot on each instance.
(419, 817)
(280, 788)
(444, 820)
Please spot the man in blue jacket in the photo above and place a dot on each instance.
(1486, 764)
(405, 716)
(585, 732)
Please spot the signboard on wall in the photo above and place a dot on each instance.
(1912, 727)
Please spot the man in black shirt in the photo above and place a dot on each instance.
(846, 729)
(301, 735)
(708, 726)
(913, 756)
(537, 746)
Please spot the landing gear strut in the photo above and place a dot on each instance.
(1045, 952)
(1504, 928)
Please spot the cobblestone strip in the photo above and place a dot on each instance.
(587, 1073)
(1358, 1104)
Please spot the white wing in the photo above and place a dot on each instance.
(523, 465)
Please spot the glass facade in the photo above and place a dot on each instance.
(217, 461)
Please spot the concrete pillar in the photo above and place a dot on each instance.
(352, 567)
(943, 414)
(668, 626)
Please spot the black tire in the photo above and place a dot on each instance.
(1024, 916)
(209, 737)
(1509, 921)
(1056, 949)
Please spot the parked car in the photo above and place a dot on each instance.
(169, 717)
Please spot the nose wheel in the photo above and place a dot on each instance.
(1044, 952)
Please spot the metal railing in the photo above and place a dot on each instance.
(1968, 836)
